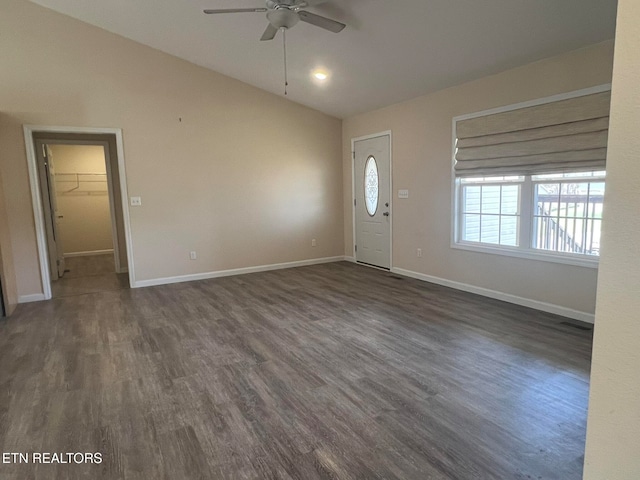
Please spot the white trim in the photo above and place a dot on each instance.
(505, 297)
(235, 271)
(353, 190)
(521, 252)
(36, 199)
(391, 199)
(353, 196)
(350, 259)
(605, 87)
(35, 297)
(38, 214)
(531, 254)
(454, 185)
(88, 253)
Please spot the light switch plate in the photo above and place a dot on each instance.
(403, 193)
(136, 201)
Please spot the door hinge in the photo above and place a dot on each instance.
(356, 247)
(58, 262)
(353, 154)
(354, 202)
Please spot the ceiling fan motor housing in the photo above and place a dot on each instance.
(293, 4)
(282, 18)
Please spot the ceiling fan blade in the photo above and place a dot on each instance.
(321, 22)
(235, 10)
(269, 33)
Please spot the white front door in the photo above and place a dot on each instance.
(373, 201)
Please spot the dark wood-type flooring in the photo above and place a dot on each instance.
(89, 274)
(332, 371)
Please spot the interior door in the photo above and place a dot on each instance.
(50, 209)
(373, 201)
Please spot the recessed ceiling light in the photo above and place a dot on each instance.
(320, 75)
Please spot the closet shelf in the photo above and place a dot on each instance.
(84, 183)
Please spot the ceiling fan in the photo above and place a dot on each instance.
(284, 14)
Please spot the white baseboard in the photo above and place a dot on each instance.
(348, 258)
(234, 271)
(505, 297)
(88, 253)
(34, 297)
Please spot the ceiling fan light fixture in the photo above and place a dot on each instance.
(282, 18)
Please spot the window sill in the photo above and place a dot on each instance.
(529, 254)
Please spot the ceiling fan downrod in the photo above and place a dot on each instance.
(284, 47)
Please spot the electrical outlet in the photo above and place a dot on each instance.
(193, 255)
(419, 252)
(313, 242)
(136, 201)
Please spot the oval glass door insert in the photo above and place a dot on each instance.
(371, 185)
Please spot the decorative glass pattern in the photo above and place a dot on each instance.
(371, 186)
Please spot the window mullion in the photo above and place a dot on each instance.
(500, 219)
(526, 213)
(459, 212)
(587, 216)
(480, 216)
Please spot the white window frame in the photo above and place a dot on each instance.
(525, 249)
(458, 219)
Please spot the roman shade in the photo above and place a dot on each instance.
(565, 135)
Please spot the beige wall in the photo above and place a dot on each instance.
(239, 175)
(421, 135)
(85, 225)
(613, 428)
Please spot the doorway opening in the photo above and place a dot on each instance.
(79, 195)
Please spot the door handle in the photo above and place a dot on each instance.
(386, 214)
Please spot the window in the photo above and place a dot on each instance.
(567, 212)
(562, 213)
(530, 178)
(490, 210)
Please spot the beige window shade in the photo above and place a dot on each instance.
(559, 136)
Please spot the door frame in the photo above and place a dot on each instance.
(386, 133)
(36, 197)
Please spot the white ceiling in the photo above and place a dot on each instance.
(391, 50)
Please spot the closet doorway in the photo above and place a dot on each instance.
(83, 219)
